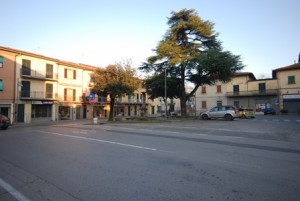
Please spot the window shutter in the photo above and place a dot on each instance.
(65, 94)
(66, 73)
(74, 94)
(74, 74)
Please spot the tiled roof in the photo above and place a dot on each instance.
(67, 63)
(290, 67)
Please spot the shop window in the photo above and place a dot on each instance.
(291, 79)
(1, 61)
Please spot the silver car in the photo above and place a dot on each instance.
(228, 112)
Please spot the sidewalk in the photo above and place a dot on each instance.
(49, 123)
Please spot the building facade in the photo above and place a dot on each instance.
(281, 92)
(36, 88)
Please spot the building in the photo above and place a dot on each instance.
(281, 92)
(244, 90)
(39, 88)
(36, 88)
(288, 79)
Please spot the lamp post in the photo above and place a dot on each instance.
(166, 93)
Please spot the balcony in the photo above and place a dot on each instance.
(270, 92)
(33, 74)
(37, 95)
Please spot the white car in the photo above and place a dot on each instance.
(228, 112)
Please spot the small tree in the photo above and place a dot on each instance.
(114, 80)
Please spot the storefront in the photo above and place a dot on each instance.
(41, 110)
(291, 103)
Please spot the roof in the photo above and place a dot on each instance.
(295, 66)
(61, 62)
(250, 75)
(290, 67)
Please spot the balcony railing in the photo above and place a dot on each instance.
(38, 95)
(269, 92)
(38, 75)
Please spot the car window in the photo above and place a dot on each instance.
(215, 109)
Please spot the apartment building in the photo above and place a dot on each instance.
(208, 96)
(288, 79)
(39, 88)
(36, 88)
(245, 90)
(7, 83)
(281, 92)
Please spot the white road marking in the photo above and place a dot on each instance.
(16, 194)
(239, 164)
(104, 141)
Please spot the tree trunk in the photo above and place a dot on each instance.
(182, 92)
(111, 111)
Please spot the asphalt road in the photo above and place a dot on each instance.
(252, 159)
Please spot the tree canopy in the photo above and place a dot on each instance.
(114, 80)
(191, 52)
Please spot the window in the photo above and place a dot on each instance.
(203, 90)
(203, 104)
(219, 103)
(49, 90)
(1, 61)
(219, 89)
(25, 90)
(1, 85)
(70, 74)
(262, 87)
(69, 94)
(236, 88)
(291, 79)
(26, 67)
(49, 71)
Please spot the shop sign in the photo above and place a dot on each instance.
(291, 96)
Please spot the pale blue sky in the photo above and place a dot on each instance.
(96, 32)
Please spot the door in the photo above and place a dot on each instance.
(20, 113)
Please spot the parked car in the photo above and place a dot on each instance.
(228, 112)
(246, 113)
(4, 121)
(269, 111)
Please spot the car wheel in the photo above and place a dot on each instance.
(4, 127)
(228, 117)
(205, 117)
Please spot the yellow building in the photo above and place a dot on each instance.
(281, 92)
(288, 79)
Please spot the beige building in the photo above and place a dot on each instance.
(281, 92)
(208, 96)
(288, 79)
(36, 88)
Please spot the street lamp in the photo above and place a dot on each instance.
(166, 93)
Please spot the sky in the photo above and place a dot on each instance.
(265, 33)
